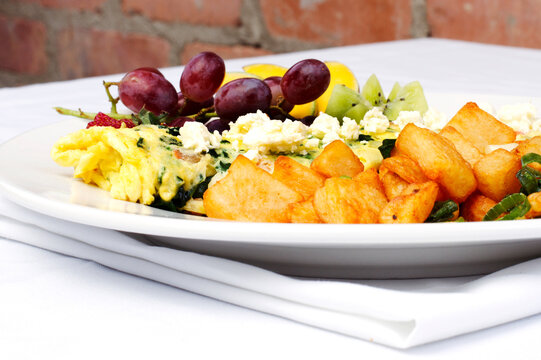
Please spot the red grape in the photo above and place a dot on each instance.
(142, 88)
(180, 121)
(273, 83)
(242, 96)
(305, 81)
(151, 69)
(189, 107)
(202, 76)
(217, 124)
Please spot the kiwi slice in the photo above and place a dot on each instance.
(357, 112)
(392, 95)
(411, 97)
(373, 92)
(342, 99)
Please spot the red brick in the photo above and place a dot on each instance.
(338, 22)
(88, 52)
(204, 12)
(23, 45)
(68, 4)
(489, 21)
(225, 51)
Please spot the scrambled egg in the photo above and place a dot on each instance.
(145, 164)
(170, 167)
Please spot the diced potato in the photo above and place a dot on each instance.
(406, 168)
(296, 176)
(248, 193)
(412, 206)
(439, 161)
(496, 174)
(393, 184)
(303, 212)
(370, 178)
(336, 160)
(532, 145)
(463, 146)
(347, 201)
(535, 202)
(481, 128)
(476, 207)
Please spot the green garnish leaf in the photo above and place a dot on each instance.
(516, 205)
(442, 211)
(386, 148)
(148, 118)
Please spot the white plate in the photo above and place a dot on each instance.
(29, 177)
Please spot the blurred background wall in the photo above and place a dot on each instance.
(47, 40)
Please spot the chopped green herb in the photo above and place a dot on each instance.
(442, 211)
(517, 205)
(140, 142)
(386, 148)
(363, 137)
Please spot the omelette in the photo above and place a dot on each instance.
(145, 164)
(171, 168)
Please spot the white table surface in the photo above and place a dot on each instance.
(58, 307)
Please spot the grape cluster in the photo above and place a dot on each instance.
(202, 94)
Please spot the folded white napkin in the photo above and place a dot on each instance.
(400, 319)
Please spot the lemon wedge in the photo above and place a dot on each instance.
(340, 74)
(265, 70)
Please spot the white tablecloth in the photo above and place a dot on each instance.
(55, 306)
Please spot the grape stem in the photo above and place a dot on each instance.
(88, 115)
(112, 100)
(205, 114)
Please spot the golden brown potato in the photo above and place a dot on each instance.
(248, 193)
(496, 174)
(370, 178)
(481, 128)
(463, 146)
(336, 160)
(476, 207)
(439, 161)
(303, 212)
(347, 201)
(406, 168)
(296, 176)
(532, 145)
(412, 206)
(393, 185)
(535, 202)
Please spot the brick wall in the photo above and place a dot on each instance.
(46, 40)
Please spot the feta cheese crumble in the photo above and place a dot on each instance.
(375, 122)
(257, 131)
(195, 136)
(519, 116)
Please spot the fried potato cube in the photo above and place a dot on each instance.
(393, 185)
(535, 202)
(463, 146)
(296, 176)
(406, 168)
(532, 145)
(481, 128)
(476, 207)
(412, 206)
(336, 160)
(439, 161)
(303, 212)
(496, 174)
(248, 193)
(347, 201)
(370, 178)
